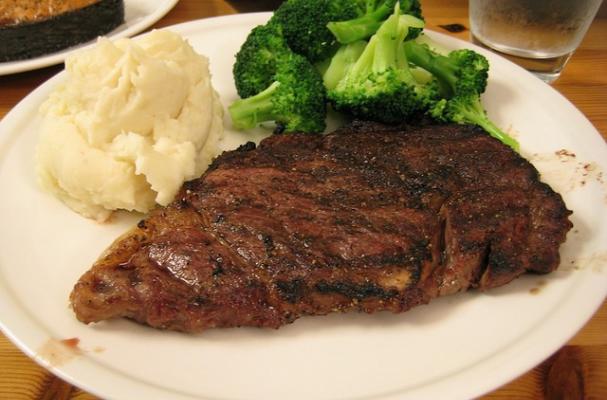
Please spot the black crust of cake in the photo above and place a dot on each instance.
(33, 39)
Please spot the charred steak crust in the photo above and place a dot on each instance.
(367, 218)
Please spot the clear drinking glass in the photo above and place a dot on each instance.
(539, 35)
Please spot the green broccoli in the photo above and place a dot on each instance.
(467, 109)
(379, 85)
(295, 100)
(304, 24)
(255, 63)
(343, 60)
(460, 71)
(372, 15)
(462, 77)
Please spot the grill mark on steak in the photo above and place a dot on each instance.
(368, 218)
(357, 292)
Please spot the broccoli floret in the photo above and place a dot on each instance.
(379, 85)
(460, 71)
(373, 14)
(462, 76)
(295, 100)
(304, 24)
(255, 64)
(467, 109)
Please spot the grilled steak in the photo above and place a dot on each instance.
(367, 218)
(31, 28)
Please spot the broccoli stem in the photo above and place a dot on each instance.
(247, 113)
(438, 65)
(473, 112)
(342, 62)
(370, 6)
(362, 27)
(373, 15)
(382, 51)
(387, 41)
(363, 65)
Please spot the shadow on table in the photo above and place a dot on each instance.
(251, 6)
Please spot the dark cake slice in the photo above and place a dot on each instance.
(31, 28)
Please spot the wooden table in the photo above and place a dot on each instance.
(576, 371)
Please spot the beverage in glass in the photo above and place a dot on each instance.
(539, 35)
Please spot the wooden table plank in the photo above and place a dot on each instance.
(578, 370)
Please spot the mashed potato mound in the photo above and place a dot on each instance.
(133, 121)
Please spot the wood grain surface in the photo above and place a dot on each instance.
(576, 371)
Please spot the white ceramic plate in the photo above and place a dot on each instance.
(457, 347)
(138, 15)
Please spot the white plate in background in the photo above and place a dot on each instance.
(457, 347)
(138, 15)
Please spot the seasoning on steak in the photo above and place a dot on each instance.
(367, 218)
